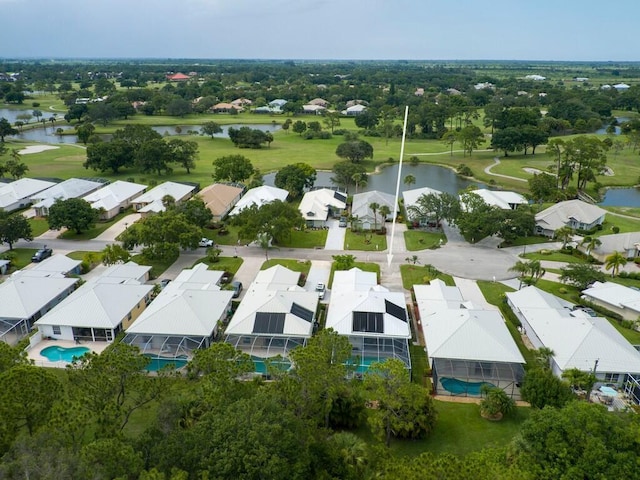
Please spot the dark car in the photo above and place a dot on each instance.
(42, 254)
(237, 288)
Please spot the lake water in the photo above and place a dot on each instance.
(603, 130)
(12, 115)
(433, 176)
(622, 197)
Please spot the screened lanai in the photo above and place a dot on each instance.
(459, 377)
(167, 345)
(368, 350)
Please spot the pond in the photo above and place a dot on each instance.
(603, 130)
(12, 115)
(621, 197)
(433, 176)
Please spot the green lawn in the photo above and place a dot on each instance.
(227, 264)
(229, 238)
(38, 226)
(624, 224)
(419, 366)
(20, 257)
(366, 241)
(554, 256)
(157, 266)
(80, 254)
(416, 240)
(532, 240)
(422, 274)
(99, 228)
(305, 239)
(302, 266)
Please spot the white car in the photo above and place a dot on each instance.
(206, 242)
(321, 289)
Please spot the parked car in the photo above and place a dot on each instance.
(42, 254)
(321, 289)
(206, 242)
(342, 222)
(164, 282)
(588, 310)
(237, 288)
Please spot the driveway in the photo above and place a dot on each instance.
(319, 272)
(335, 236)
(110, 234)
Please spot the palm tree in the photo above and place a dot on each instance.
(544, 356)
(591, 243)
(360, 179)
(536, 271)
(523, 269)
(409, 180)
(564, 234)
(384, 211)
(614, 261)
(374, 208)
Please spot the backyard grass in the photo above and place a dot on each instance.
(20, 257)
(302, 266)
(419, 366)
(416, 240)
(624, 224)
(366, 241)
(157, 266)
(494, 293)
(227, 264)
(98, 228)
(554, 256)
(422, 274)
(38, 226)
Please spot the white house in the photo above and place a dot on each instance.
(572, 213)
(410, 198)
(274, 317)
(621, 87)
(56, 264)
(259, 196)
(374, 319)
(184, 316)
(502, 199)
(114, 198)
(576, 339)
(26, 298)
(151, 201)
(354, 110)
(466, 345)
(71, 188)
(628, 244)
(18, 194)
(362, 213)
(615, 297)
(100, 308)
(537, 78)
(317, 205)
(313, 109)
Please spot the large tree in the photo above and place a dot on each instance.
(295, 178)
(6, 129)
(355, 150)
(471, 138)
(541, 387)
(581, 275)
(163, 234)
(344, 173)
(210, 128)
(195, 211)
(184, 153)
(273, 220)
(232, 168)
(437, 207)
(73, 213)
(109, 156)
(13, 228)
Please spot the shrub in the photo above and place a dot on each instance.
(464, 170)
(35, 104)
(615, 229)
(562, 290)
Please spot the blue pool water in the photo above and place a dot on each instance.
(61, 354)
(261, 367)
(460, 387)
(158, 363)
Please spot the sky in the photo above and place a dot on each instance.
(563, 30)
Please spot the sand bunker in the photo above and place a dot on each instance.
(36, 149)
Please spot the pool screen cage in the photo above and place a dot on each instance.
(12, 331)
(507, 376)
(166, 345)
(265, 346)
(368, 350)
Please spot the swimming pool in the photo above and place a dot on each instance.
(261, 366)
(62, 354)
(158, 362)
(460, 387)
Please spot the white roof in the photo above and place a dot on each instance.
(619, 242)
(354, 280)
(275, 278)
(501, 199)
(71, 188)
(356, 108)
(313, 108)
(411, 197)
(315, 204)
(21, 295)
(56, 263)
(361, 201)
(156, 207)
(390, 306)
(126, 271)
(615, 294)
(558, 215)
(259, 196)
(199, 277)
(23, 188)
(113, 195)
(177, 190)
(456, 329)
(576, 339)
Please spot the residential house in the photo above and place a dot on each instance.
(56, 264)
(467, 346)
(184, 317)
(151, 201)
(101, 308)
(317, 205)
(576, 214)
(259, 196)
(364, 217)
(313, 109)
(220, 198)
(277, 104)
(537, 78)
(24, 298)
(576, 339)
(622, 300)
(374, 319)
(501, 199)
(354, 110)
(178, 77)
(419, 92)
(628, 244)
(18, 194)
(410, 198)
(275, 316)
(318, 101)
(114, 198)
(621, 87)
(224, 107)
(239, 103)
(71, 188)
